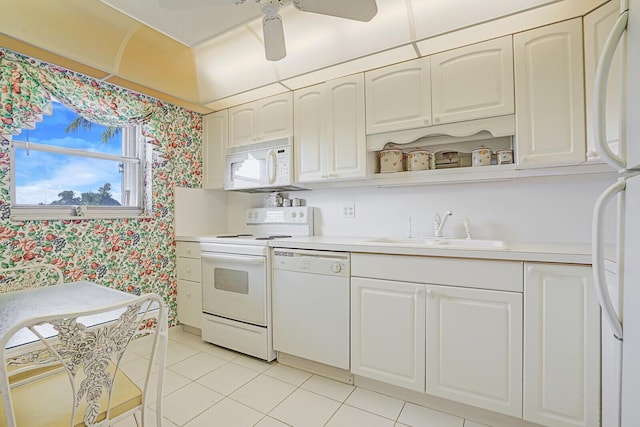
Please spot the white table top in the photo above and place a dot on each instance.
(16, 307)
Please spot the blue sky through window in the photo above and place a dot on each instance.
(41, 176)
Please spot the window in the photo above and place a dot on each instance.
(92, 171)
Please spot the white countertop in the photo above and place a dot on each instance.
(519, 251)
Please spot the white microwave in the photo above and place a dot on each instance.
(260, 168)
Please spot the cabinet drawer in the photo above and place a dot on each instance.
(189, 300)
(189, 269)
(188, 249)
(471, 273)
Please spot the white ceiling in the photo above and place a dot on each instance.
(189, 21)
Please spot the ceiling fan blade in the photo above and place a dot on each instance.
(273, 32)
(359, 10)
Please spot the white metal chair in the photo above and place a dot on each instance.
(75, 377)
(29, 276)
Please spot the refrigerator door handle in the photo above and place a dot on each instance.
(599, 280)
(600, 90)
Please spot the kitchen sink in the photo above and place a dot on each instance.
(439, 242)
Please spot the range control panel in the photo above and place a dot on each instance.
(282, 215)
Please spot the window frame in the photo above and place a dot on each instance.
(134, 143)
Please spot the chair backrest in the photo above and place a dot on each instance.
(76, 377)
(29, 276)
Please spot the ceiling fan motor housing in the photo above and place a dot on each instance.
(269, 7)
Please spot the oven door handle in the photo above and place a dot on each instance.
(233, 258)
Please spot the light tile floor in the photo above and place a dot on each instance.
(209, 386)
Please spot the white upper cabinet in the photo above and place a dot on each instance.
(329, 132)
(346, 140)
(309, 133)
(467, 83)
(399, 96)
(215, 136)
(597, 26)
(473, 82)
(561, 346)
(550, 123)
(474, 347)
(262, 120)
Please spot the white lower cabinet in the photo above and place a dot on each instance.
(388, 332)
(189, 297)
(455, 342)
(561, 346)
(474, 347)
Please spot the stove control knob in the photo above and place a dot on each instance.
(293, 214)
(336, 267)
(301, 214)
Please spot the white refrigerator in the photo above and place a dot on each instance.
(618, 286)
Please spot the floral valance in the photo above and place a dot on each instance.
(27, 83)
(23, 100)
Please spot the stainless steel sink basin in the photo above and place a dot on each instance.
(444, 242)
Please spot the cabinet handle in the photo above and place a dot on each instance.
(427, 121)
(419, 292)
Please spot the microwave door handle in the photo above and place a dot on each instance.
(599, 279)
(271, 166)
(231, 258)
(600, 91)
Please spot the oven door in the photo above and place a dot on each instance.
(235, 287)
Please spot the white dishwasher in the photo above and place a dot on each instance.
(310, 297)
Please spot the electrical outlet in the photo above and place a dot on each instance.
(349, 211)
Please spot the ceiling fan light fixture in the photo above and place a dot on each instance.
(269, 7)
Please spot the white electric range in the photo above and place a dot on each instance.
(236, 279)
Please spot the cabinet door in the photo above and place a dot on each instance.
(243, 124)
(473, 82)
(276, 117)
(346, 139)
(309, 134)
(597, 26)
(561, 346)
(189, 302)
(550, 123)
(266, 119)
(215, 137)
(388, 332)
(398, 97)
(474, 347)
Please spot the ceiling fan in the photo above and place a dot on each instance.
(358, 10)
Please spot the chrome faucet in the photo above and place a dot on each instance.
(438, 223)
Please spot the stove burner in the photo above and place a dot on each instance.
(272, 237)
(228, 236)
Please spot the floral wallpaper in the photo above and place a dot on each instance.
(133, 255)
